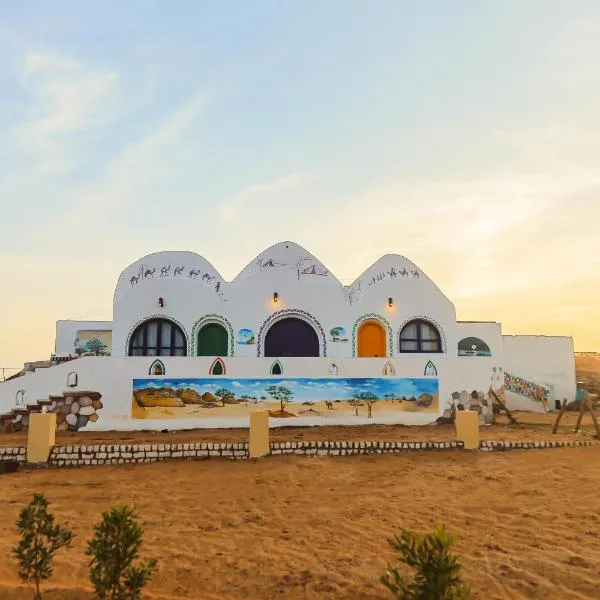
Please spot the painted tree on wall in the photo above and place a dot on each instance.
(96, 346)
(337, 333)
(356, 402)
(280, 394)
(300, 262)
(223, 394)
(367, 398)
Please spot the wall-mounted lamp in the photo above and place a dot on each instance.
(161, 302)
(275, 296)
(390, 302)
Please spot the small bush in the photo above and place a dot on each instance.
(437, 572)
(40, 539)
(113, 550)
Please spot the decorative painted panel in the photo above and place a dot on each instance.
(321, 398)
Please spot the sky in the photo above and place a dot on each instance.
(463, 135)
(303, 390)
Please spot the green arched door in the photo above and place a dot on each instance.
(212, 340)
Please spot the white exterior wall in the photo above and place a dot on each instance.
(66, 332)
(192, 290)
(481, 372)
(113, 377)
(247, 302)
(546, 361)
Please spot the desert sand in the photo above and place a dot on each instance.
(316, 528)
(531, 426)
(304, 528)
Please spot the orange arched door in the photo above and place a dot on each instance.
(371, 339)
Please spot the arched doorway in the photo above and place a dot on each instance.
(371, 339)
(212, 340)
(291, 337)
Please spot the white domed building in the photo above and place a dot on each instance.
(188, 349)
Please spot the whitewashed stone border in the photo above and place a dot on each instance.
(106, 454)
(16, 453)
(491, 446)
(352, 448)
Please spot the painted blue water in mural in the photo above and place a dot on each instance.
(302, 389)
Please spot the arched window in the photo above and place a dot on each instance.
(20, 397)
(218, 367)
(276, 368)
(430, 370)
(388, 369)
(72, 379)
(420, 336)
(158, 337)
(333, 369)
(157, 368)
(473, 346)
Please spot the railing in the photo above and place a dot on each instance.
(4, 374)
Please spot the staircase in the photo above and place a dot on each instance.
(74, 410)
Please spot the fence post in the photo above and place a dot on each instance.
(41, 436)
(259, 434)
(467, 428)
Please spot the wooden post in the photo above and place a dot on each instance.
(41, 436)
(512, 420)
(593, 413)
(582, 408)
(560, 414)
(259, 434)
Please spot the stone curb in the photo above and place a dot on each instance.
(66, 456)
(491, 446)
(18, 454)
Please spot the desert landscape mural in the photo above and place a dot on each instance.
(283, 398)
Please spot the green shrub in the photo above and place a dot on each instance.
(113, 550)
(437, 572)
(41, 537)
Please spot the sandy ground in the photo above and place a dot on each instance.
(587, 363)
(528, 522)
(531, 426)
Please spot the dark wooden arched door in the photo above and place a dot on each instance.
(212, 340)
(291, 337)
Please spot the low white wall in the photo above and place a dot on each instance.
(113, 378)
(546, 361)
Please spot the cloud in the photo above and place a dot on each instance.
(66, 97)
(229, 210)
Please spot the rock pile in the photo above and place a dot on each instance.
(75, 409)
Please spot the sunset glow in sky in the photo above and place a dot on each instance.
(463, 135)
